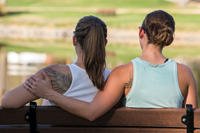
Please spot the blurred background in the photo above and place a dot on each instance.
(36, 33)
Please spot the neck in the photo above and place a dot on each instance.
(152, 54)
(80, 64)
(80, 57)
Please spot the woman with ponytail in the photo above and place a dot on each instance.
(81, 79)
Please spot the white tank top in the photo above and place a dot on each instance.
(81, 87)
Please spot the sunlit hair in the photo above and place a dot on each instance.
(159, 27)
(91, 34)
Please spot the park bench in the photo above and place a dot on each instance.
(51, 119)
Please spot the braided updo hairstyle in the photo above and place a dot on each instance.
(91, 34)
(159, 27)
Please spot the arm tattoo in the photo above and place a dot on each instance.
(60, 81)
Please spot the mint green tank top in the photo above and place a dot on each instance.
(154, 86)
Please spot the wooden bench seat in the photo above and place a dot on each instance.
(52, 119)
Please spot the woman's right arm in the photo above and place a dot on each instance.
(103, 101)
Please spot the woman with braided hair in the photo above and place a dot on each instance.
(80, 79)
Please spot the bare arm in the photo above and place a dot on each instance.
(192, 95)
(19, 96)
(103, 101)
(187, 85)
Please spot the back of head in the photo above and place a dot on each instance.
(91, 34)
(159, 27)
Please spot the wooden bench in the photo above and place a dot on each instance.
(46, 119)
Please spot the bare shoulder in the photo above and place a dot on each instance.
(123, 71)
(123, 68)
(183, 67)
(60, 75)
(185, 75)
(184, 70)
(59, 68)
(55, 68)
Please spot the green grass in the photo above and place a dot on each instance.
(116, 53)
(127, 21)
(184, 22)
(120, 54)
(59, 50)
(90, 3)
(66, 13)
(190, 51)
(125, 53)
(187, 22)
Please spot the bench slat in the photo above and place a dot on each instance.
(13, 116)
(95, 130)
(121, 117)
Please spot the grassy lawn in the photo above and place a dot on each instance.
(90, 3)
(65, 13)
(59, 50)
(116, 53)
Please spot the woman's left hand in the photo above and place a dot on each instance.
(39, 87)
